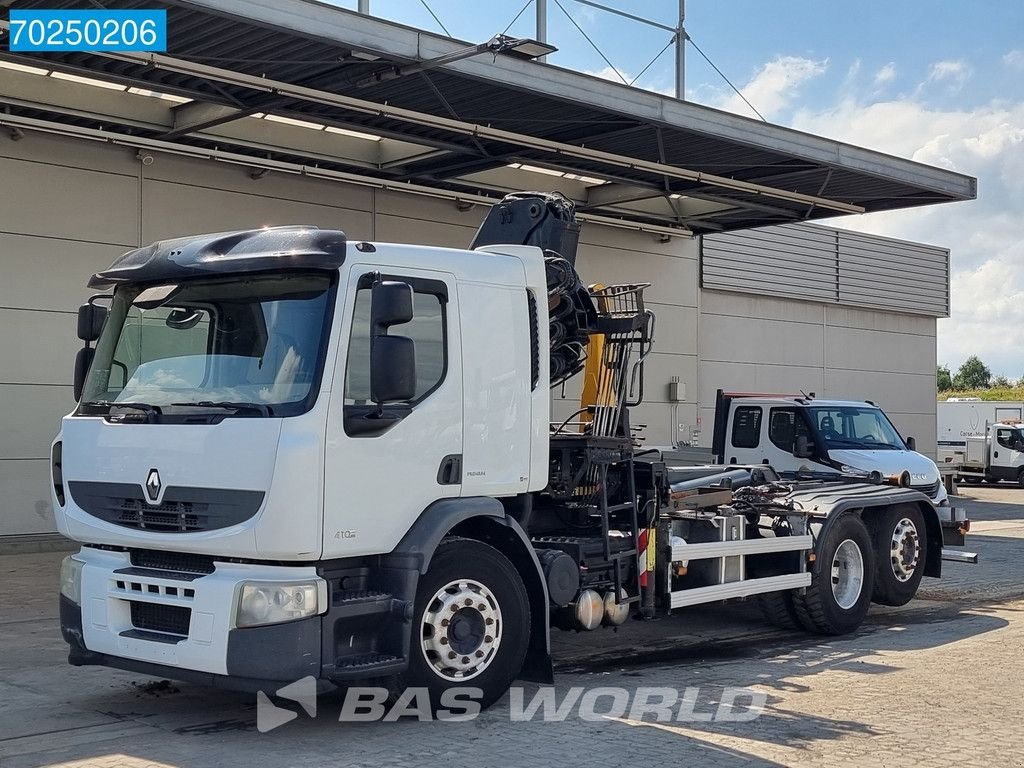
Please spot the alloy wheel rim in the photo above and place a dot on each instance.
(847, 574)
(905, 549)
(460, 630)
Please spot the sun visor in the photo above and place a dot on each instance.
(256, 250)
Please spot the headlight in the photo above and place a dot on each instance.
(71, 579)
(261, 602)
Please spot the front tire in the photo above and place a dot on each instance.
(901, 548)
(839, 595)
(471, 623)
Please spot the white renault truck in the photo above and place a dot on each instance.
(801, 436)
(295, 455)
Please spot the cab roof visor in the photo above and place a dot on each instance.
(227, 253)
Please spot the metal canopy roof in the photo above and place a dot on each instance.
(476, 128)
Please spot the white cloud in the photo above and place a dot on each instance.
(953, 73)
(774, 86)
(885, 75)
(608, 73)
(984, 235)
(1014, 59)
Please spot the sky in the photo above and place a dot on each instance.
(936, 81)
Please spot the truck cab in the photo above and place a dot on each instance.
(801, 435)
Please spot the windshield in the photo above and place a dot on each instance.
(252, 345)
(856, 427)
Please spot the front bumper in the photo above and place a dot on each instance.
(104, 628)
(252, 653)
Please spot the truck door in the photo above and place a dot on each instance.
(784, 426)
(1007, 453)
(743, 439)
(385, 465)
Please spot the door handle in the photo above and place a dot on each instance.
(450, 471)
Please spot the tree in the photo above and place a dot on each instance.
(943, 380)
(1001, 382)
(973, 374)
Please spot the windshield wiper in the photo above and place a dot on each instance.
(151, 411)
(260, 408)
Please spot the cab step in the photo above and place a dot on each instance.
(365, 665)
(361, 602)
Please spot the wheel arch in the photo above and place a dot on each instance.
(485, 520)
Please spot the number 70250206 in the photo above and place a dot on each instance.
(87, 30)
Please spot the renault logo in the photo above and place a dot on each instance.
(153, 485)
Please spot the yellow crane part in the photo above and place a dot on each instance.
(597, 385)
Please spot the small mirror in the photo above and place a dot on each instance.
(83, 361)
(802, 447)
(90, 321)
(392, 369)
(911, 444)
(390, 304)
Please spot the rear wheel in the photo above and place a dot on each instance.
(778, 609)
(1020, 478)
(901, 546)
(471, 623)
(839, 595)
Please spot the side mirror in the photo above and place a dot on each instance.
(802, 447)
(83, 361)
(390, 304)
(911, 444)
(392, 358)
(91, 319)
(392, 369)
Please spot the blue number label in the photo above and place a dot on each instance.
(88, 30)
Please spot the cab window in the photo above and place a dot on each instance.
(1008, 438)
(746, 426)
(427, 331)
(785, 425)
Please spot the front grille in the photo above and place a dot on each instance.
(178, 516)
(172, 561)
(182, 510)
(171, 619)
(931, 489)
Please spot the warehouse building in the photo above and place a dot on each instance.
(290, 111)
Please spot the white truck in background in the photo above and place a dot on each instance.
(997, 454)
(960, 418)
(801, 436)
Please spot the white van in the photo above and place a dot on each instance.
(800, 435)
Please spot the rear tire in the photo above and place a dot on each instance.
(839, 595)
(901, 549)
(471, 624)
(1020, 478)
(778, 609)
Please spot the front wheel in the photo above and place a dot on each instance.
(901, 546)
(839, 596)
(471, 624)
(1020, 478)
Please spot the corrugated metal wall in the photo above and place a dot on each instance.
(814, 263)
